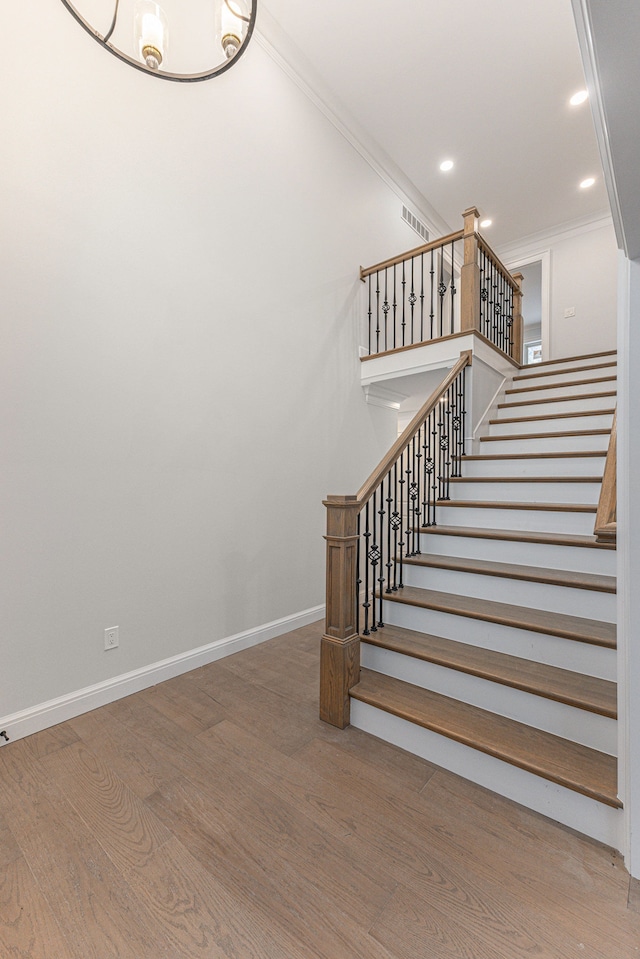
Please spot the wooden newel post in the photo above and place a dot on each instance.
(340, 649)
(470, 274)
(517, 318)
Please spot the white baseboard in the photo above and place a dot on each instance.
(36, 718)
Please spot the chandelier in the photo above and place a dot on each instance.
(183, 40)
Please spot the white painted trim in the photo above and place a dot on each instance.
(536, 242)
(36, 718)
(377, 395)
(277, 45)
(592, 75)
(544, 257)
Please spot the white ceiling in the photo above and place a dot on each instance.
(486, 84)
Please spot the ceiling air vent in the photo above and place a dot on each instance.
(415, 224)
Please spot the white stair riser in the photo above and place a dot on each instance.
(569, 722)
(585, 560)
(602, 823)
(539, 647)
(524, 392)
(546, 444)
(574, 404)
(562, 377)
(587, 493)
(534, 466)
(591, 421)
(548, 521)
(588, 603)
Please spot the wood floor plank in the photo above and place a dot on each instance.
(96, 909)
(370, 836)
(28, 928)
(186, 705)
(316, 906)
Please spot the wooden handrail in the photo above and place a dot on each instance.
(425, 248)
(606, 523)
(366, 490)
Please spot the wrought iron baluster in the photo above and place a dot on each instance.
(436, 461)
(412, 298)
(401, 544)
(453, 289)
(421, 297)
(366, 604)
(373, 556)
(404, 286)
(358, 576)
(431, 312)
(381, 513)
(385, 307)
(442, 289)
(377, 311)
(395, 305)
(370, 313)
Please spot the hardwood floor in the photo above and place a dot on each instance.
(216, 816)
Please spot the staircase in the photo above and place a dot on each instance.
(498, 657)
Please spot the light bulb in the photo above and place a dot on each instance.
(151, 33)
(233, 25)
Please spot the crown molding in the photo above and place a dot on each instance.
(538, 242)
(270, 36)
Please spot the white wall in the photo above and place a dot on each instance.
(582, 275)
(179, 375)
(629, 557)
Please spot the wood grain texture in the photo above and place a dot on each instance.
(552, 386)
(519, 536)
(537, 436)
(575, 369)
(611, 394)
(585, 692)
(577, 767)
(553, 416)
(531, 574)
(522, 617)
(567, 359)
(272, 835)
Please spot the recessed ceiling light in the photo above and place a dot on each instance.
(485, 223)
(579, 98)
(446, 165)
(587, 183)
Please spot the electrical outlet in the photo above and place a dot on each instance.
(111, 638)
(569, 311)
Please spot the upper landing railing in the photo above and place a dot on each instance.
(451, 285)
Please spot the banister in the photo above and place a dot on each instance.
(425, 248)
(366, 490)
(605, 529)
(370, 534)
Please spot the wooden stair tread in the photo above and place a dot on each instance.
(568, 359)
(544, 436)
(535, 574)
(576, 628)
(589, 368)
(519, 536)
(555, 386)
(558, 399)
(502, 504)
(551, 416)
(577, 767)
(552, 454)
(561, 685)
(525, 479)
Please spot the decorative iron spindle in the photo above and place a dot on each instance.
(406, 501)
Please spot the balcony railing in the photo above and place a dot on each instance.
(451, 285)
